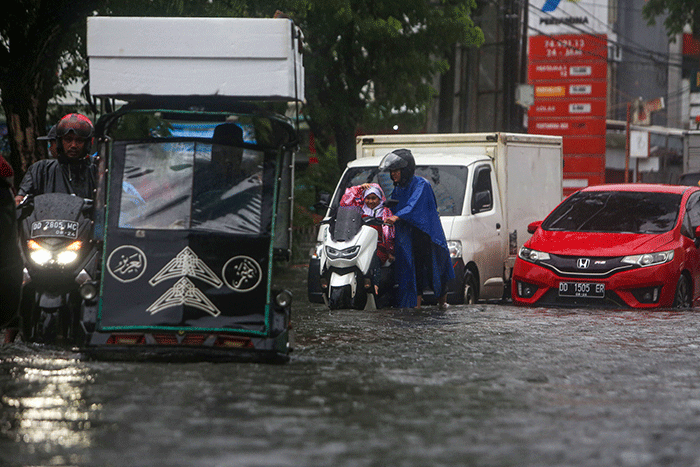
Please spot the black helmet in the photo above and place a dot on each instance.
(400, 159)
(80, 125)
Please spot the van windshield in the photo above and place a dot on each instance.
(448, 181)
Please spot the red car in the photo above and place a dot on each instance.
(619, 246)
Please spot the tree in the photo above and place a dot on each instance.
(35, 35)
(42, 48)
(680, 13)
(365, 58)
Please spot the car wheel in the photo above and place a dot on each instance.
(470, 291)
(682, 297)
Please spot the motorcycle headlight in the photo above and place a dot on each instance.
(43, 256)
(455, 247)
(40, 256)
(346, 253)
(531, 255)
(649, 259)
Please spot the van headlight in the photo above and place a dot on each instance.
(531, 255)
(455, 247)
(649, 259)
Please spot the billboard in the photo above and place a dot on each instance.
(568, 73)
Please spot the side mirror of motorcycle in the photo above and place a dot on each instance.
(324, 200)
(25, 207)
(87, 204)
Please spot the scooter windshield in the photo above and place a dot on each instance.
(348, 222)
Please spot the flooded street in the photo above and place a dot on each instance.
(487, 385)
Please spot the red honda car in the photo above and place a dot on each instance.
(619, 246)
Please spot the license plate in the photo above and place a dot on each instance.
(582, 289)
(55, 228)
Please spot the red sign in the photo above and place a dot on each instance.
(584, 126)
(585, 164)
(584, 145)
(577, 90)
(553, 71)
(568, 48)
(568, 108)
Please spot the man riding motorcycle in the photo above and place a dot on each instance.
(72, 172)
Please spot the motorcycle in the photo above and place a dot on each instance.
(351, 275)
(60, 267)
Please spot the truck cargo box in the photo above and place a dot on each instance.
(250, 58)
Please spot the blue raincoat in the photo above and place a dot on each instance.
(417, 209)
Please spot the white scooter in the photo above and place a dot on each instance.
(348, 259)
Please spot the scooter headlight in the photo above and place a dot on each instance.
(346, 253)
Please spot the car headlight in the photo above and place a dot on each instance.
(455, 247)
(531, 255)
(346, 253)
(649, 259)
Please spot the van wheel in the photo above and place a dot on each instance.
(470, 292)
(682, 297)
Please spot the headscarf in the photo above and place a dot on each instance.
(373, 190)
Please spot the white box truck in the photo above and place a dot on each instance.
(488, 186)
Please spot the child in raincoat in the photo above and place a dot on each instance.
(371, 198)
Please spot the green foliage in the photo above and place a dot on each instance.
(679, 14)
(366, 58)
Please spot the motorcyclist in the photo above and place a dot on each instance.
(422, 257)
(71, 172)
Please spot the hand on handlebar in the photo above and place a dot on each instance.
(391, 220)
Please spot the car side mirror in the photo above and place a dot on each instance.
(533, 226)
(482, 201)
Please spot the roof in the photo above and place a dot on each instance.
(642, 187)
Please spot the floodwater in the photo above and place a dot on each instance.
(486, 385)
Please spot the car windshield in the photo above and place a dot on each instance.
(448, 182)
(615, 211)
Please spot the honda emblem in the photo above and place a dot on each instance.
(583, 263)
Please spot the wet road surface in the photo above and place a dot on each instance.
(487, 385)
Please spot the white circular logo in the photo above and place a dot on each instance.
(126, 263)
(242, 273)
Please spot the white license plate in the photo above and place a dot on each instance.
(582, 289)
(54, 228)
